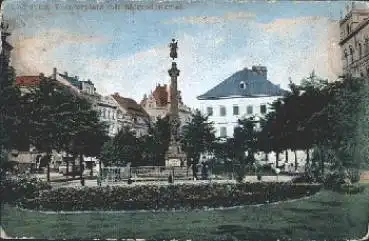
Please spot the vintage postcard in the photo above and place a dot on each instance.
(184, 120)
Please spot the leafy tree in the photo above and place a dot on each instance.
(156, 143)
(271, 136)
(86, 134)
(60, 119)
(107, 154)
(10, 118)
(50, 115)
(198, 136)
(122, 149)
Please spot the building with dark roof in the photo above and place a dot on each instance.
(246, 93)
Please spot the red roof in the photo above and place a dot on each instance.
(27, 80)
(161, 95)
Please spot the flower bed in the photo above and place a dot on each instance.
(166, 197)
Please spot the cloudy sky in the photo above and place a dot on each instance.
(126, 50)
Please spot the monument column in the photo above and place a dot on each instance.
(174, 156)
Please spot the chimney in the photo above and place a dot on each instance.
(54, 74)
(260, 70)
(66, 74)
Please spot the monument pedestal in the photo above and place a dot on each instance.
(175, 157)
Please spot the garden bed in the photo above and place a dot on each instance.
(165, 197)
(38, 195)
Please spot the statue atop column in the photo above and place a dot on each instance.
(173, 49)
(174, 156)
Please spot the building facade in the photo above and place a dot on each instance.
(247, 93)
(132, 115)
(157, 104)
(354, 42)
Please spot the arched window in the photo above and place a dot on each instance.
(242, 85)
(352, 54)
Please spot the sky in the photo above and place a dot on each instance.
(126, 49)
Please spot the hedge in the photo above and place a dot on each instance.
(166, 197)
(17, 189)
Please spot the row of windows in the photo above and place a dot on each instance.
(106, 113)
(223, 130)
(363, 49)
(236, 110)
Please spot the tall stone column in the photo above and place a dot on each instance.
(174, 156)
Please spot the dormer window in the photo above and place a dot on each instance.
(242, 85)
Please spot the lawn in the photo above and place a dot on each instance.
(324, 216)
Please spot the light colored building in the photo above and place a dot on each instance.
(157, 104)
(354, 31)
(244, 94)
(132, 115)
(116, 111)
(107, 108)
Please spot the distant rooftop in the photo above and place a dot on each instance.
(245, 83)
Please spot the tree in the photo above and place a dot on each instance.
(197, 137)
(10, 118)
(122, 149)
(87, 134)
(62, 120)
(50, 115)
(271, 136)
(245, 136)
(156, 143)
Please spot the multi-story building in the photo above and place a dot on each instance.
(354, 31)
(130, 114)
(246, 93)
(115, 110)
(157, 104)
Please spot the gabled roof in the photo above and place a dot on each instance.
(27, 81)
(130, 106)
(244, 83)
(72, 80)
(161, 95)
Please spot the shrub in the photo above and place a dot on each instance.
(351, 189)
(167, 197)
(16, 189)
(334, 180)
(304, 178)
